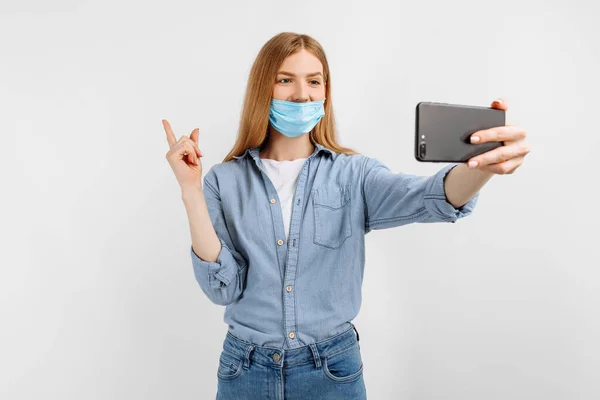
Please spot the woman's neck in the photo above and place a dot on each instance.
(282, 148)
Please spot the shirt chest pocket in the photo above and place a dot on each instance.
(332, 215)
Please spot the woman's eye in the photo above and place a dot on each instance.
(315, 82)
(282, 80)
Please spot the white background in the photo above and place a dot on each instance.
(97, 294)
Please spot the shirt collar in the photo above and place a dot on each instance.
(253, 151)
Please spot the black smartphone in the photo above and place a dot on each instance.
(443, 131)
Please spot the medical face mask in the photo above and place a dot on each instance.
(295, 119)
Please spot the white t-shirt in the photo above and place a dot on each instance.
(284, 175)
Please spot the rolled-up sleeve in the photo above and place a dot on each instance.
(394, 199)
(437, 203)
(222, 280)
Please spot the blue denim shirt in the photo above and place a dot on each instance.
(287, 294)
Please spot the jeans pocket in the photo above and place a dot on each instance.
(345, 366)
(332, 214)
(230, 366)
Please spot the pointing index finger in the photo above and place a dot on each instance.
(170, 135)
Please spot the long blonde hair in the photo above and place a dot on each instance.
(254, 120)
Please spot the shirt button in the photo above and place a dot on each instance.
(280, 242)
(276, 357)
(289, 288)
(272, 201)
(291, 335)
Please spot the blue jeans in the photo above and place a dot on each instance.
(326, 370)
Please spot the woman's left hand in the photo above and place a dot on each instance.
(505, 159)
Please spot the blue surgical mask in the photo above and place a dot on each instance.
(295, 119)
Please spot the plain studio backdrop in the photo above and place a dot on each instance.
(97, 294)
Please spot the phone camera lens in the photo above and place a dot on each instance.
(423, 150)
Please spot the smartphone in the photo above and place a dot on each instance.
(443, 131)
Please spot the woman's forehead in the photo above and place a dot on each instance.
(302, 62)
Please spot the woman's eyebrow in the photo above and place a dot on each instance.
(293, 75)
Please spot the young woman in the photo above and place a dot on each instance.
(278, 227)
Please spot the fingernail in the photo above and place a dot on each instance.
(474, 139)
(473, 164)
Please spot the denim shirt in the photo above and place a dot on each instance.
(288, 294)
